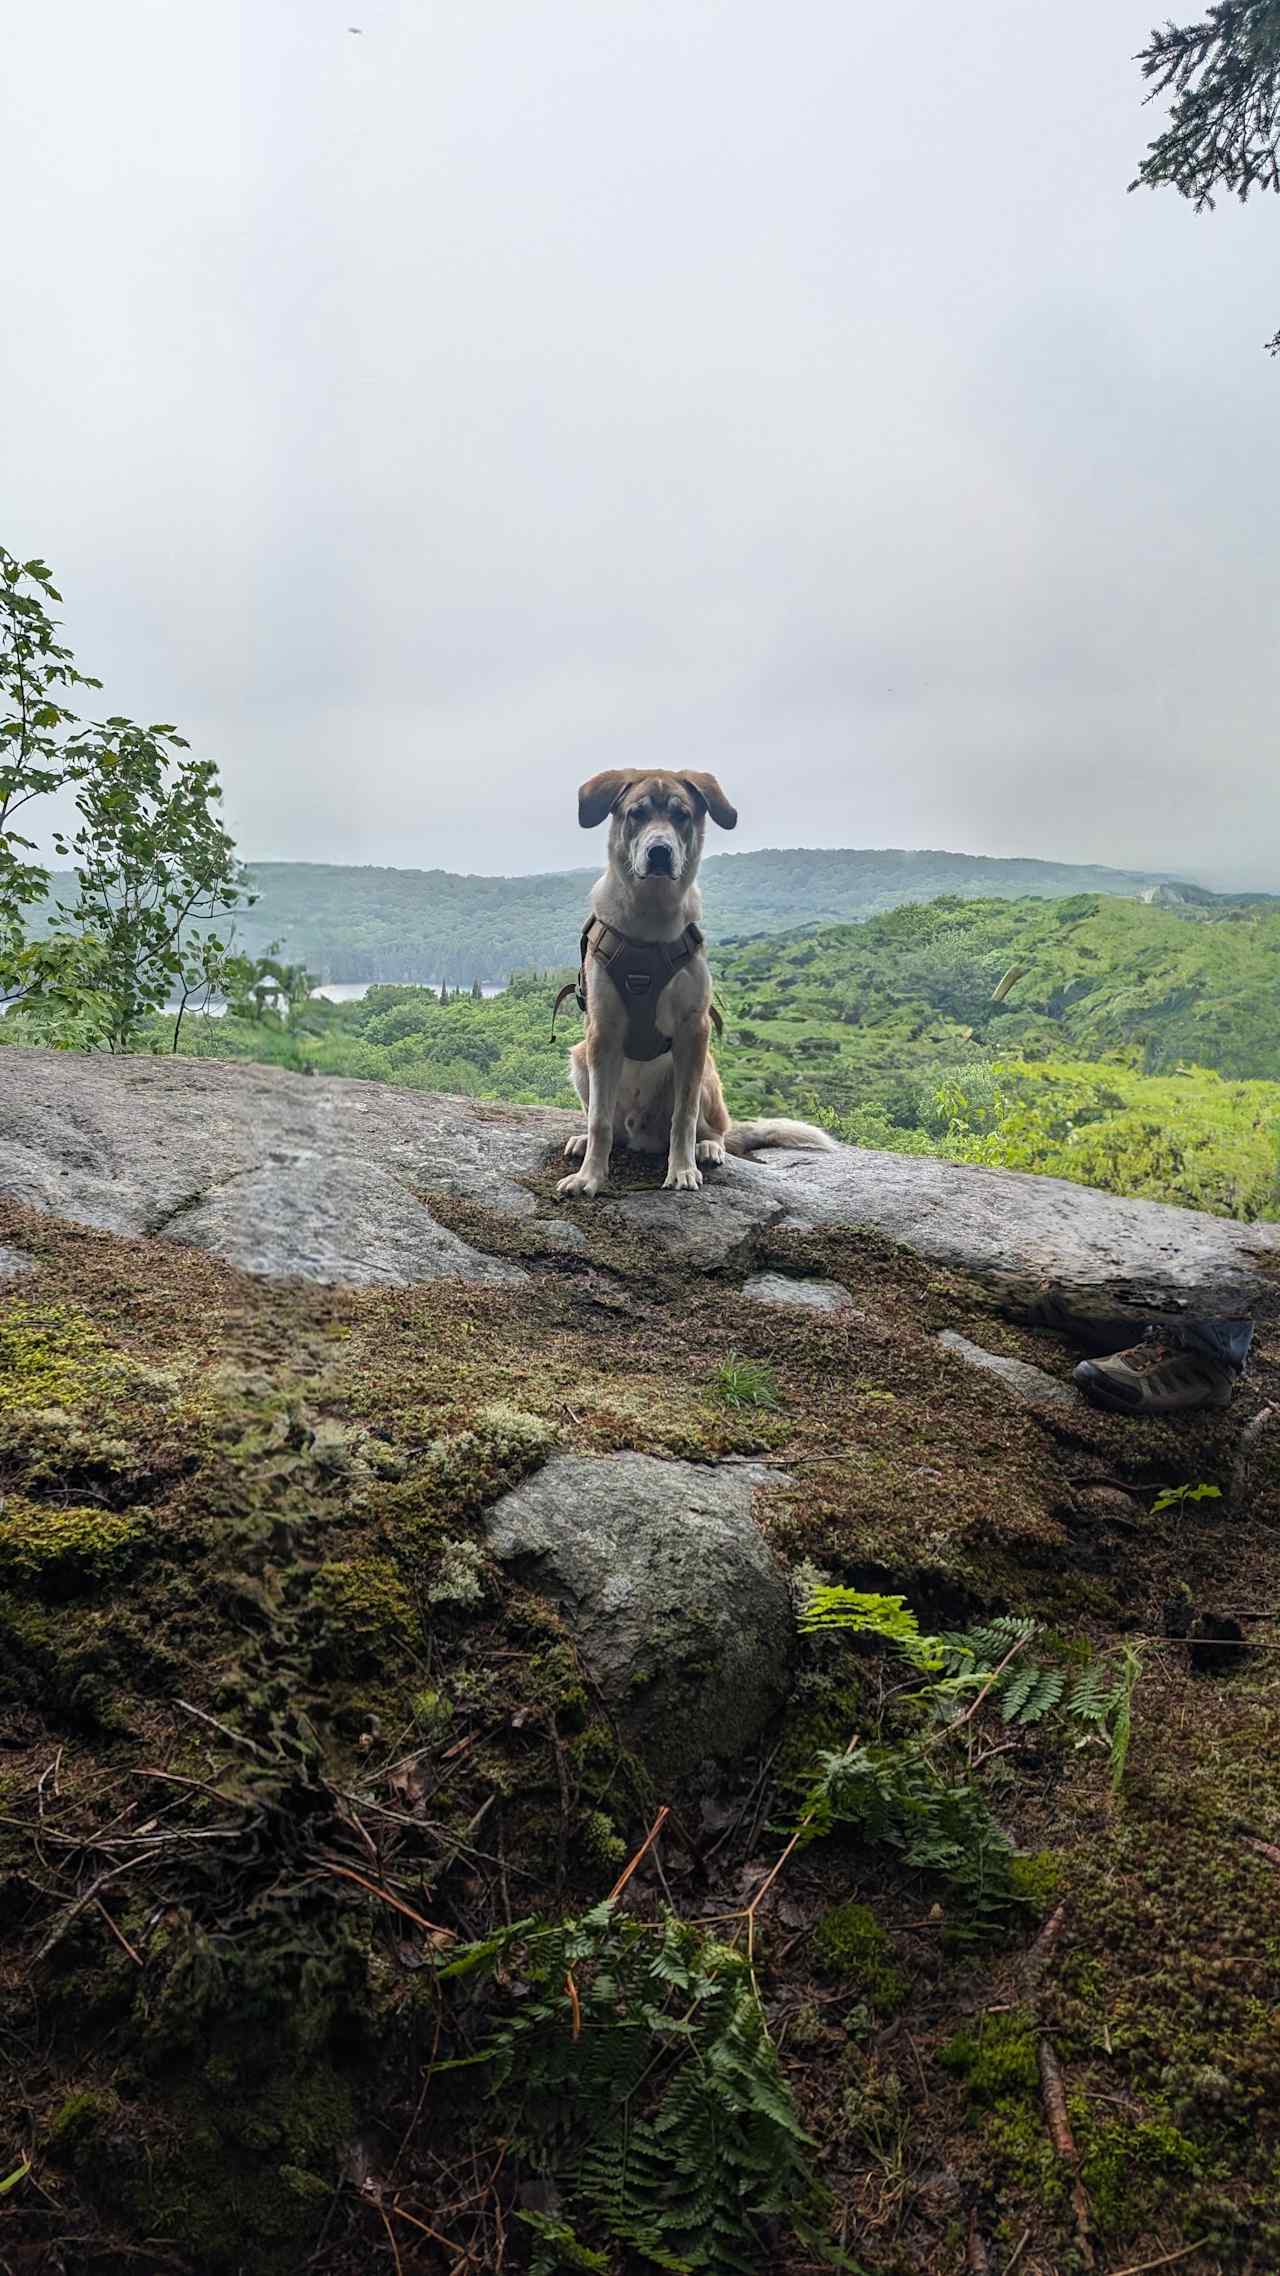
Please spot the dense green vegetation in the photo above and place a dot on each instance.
(1137, 1050)
(416, 924)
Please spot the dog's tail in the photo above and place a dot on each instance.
(750, 1137)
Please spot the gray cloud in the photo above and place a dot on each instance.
(428, 418)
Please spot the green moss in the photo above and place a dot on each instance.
(1035, 1879)
(849, 1943)
(59, 1552)
(460, 1474)
(998, 2060)
(74, 2131)
(823, 1711)
(600, 1841)
(1126, 2165)
(357, 1614)
(249, 2186)
(50, 1356)
(1014, 2138)
(432, 1712)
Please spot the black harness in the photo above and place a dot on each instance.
(639, 970)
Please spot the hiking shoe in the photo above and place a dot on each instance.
(1099, 1332)
(1157, 1379)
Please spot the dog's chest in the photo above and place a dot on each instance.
(643, 1113)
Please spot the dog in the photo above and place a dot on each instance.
(644, 1070)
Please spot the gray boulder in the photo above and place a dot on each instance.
(324, 1179)
(668, 1588)
(291, 1176)
(1004, 1223)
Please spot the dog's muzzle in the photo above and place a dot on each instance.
(657, 855)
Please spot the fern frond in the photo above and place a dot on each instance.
(1028, 1694)
(1093, 1693)
(866, 1614)
(666, 2116)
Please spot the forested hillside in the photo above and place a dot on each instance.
(428, 924)
(1097, 976)
(1136, 1049)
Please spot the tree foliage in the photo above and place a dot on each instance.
(155, 870)
(36, 673)
(1223, 73)
(1224, 125)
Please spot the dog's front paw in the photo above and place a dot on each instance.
(584, 1182)
(682, 1177)
(710, 1153)
(575, 1148)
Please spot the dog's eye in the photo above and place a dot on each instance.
(639, 813)
(679, 814)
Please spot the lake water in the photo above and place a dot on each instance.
(337, 992)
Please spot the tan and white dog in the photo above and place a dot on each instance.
(644, 1070)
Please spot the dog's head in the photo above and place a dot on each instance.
(656, 820)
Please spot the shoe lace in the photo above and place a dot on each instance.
(1179, 1367)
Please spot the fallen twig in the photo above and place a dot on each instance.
(976, 2260)
(197, 1786)
(327, 1866)
(118, 1933)
(1064, 2142)
(237, 1738)
(575, 2003)
(391, 2240)
(1166, 2259)
(642, 1852)
(73, 1911)
(1037, 1959)
(948, 1729)
(462, 2258)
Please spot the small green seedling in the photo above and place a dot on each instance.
(1176, 1498)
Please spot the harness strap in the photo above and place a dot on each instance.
(639, 970)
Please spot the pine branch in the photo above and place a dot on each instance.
(1224, 124)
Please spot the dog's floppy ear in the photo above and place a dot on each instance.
(599, 796)
(707, 789)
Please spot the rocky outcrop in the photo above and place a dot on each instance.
(673, 1600)
(327, 1180)
(784, 1292)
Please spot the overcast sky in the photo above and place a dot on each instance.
(428, 417)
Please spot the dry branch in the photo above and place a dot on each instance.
(1064, 2142)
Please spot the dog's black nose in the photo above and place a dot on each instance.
(660, 859)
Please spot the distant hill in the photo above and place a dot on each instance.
(1097, 977)
(350, 923)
